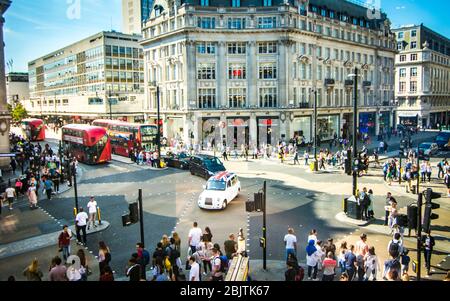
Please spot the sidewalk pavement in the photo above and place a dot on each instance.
(15, 265)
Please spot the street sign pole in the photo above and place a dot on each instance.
(419, 235)
(141, 217)
(264, 227)
(74, 171)
(355, 133)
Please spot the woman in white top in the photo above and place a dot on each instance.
(241, 242)
(393, 215)
(371, 265)
(32, 197)
(429, 170)
(423, 171)
(313, 236)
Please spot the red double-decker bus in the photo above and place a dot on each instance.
(34, 129)
(89, 144)
(127, 136)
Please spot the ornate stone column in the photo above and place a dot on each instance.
(191, 70)
(5, 116)
(221, 75)
(252, 74)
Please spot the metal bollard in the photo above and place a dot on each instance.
(75, 211)
(99, 216)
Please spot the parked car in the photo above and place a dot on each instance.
(443, 140)
(205, 166)
(428, 149)
(219, 191)
(180, 160)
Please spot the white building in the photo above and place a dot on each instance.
(78, 81)
(134, 13)
(246, 73)
(17, 89)
(422, 77)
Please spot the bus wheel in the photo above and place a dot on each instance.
(192, 172)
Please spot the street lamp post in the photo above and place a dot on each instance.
(110, 104)
(316, 165)
(158, 135)
(355, 133)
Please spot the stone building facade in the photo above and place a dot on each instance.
(245, 72)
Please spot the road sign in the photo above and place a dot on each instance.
(113, 101)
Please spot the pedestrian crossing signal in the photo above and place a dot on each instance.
(259, 201)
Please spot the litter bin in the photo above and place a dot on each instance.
(353, 208)
(412, 216)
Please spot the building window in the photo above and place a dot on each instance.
(206, 48)
(402, 58)
(402, 87)
(413, 45)
(235, 3)
(302, 71)
(236, 48)
(206, 71)
(267, 22)
(413, 56)
(236, 23)
(413, 86)
(267, 47)
(206, 98)
(413, 33)
(268, 97)
(206, 22)
(414, 71)
(267, 71)
(204, 2)
(236, 71)
(402, 72)
(400, 35)
(237, 97)
(267, 2)
(399, 45)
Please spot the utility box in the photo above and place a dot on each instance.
(353, 208)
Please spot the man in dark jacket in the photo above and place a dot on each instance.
(428, 244)
(134, 269)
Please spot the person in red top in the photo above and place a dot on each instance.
(64, 241)
(329, 265)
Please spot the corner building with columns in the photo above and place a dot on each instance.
(245, 72)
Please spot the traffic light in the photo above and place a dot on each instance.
(134, 212)
(348, 164)
(429, 206)
(259, 201)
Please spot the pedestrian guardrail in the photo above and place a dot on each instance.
(239, 269)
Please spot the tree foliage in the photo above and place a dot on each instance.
(18, 112)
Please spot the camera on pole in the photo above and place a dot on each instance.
(429, 206)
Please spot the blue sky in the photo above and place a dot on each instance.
(34, 28)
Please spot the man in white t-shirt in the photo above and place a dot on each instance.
(80, 225)
(194, 272)
(195, 236)
(10, 195)
(290, 241)
(92, 208)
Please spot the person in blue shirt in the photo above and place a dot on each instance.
(48, 185)
(350, 262)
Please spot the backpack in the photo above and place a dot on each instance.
(394, 249)
(223, 263)
(146, 257)
(300, 274)
(447, 179)
(174, 254)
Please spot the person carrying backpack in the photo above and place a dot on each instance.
(143, 258)
(173, 255)
(395, 246)
(217, 266)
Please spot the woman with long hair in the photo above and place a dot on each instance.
(165, 241)
(32, 272)
(32, 196)
(84, 268)
(341, 257)
(207, 235)
(104, 256)
(177, 240)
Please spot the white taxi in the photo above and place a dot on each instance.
(219, 191)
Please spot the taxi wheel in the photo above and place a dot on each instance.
(192, 172)
(224, 205)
